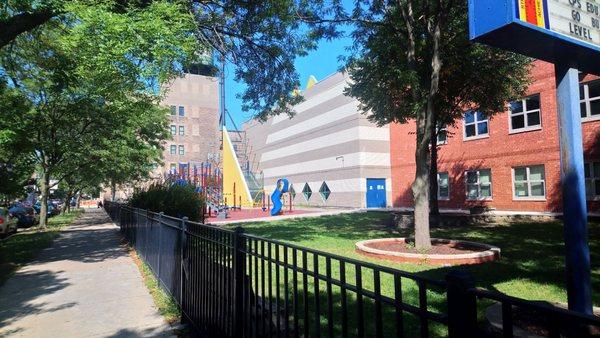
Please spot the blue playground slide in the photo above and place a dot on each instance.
(280, 189)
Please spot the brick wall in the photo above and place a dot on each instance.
(500, 152)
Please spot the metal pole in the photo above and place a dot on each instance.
(577, 257)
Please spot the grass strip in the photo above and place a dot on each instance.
(166, 305)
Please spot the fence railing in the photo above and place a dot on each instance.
(231, 284)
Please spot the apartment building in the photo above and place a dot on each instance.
(330, 153)
(509, 161)
(193, 122)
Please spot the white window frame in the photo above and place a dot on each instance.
(304, 194)
(321, 193)
(181, 130)
(595, 196)
(439, 130)
(443, 198)
(173, 149)
(588, 100)
(524, 113)
(181, 111)
(475, 122)
(181, 149)
(528, 181)
(479, 198)
(173, 110)
(173, 130)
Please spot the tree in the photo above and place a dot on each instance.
(262, 39)
(413, 61)
(91, 81)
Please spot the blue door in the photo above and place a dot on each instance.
(376, 197)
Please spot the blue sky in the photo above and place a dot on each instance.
(320, 62)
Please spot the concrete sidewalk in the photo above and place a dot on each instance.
(85, 285)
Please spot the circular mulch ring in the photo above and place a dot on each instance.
(442, 252)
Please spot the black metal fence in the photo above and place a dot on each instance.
(231, 284)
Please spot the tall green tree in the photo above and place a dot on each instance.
(412, 61)
(91, 79)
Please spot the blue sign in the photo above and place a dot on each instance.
(549, 30)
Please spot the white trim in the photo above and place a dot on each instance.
(333, 115)
(524, 130)
(587, 100)
(590, 118)
(478, 198)
(473, 138)
(337, 90)
(343, 136)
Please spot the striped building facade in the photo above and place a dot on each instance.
(330, 153)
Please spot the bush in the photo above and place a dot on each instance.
(174, 200)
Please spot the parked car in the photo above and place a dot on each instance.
(25, 215)
(8, 224)
(52, 209)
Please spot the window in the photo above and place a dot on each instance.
(173, 110)
(443, 186)
(590, 100)
(306, 191)
(324, 191)
(442, 135)
(181, 130)
(181, 150)
(181, 111)
(173, 129)
(476, 125)
(525, 114)
(173, 168)
(173, 149)
(529, 182)
(479, 184)
(292, 191)
(592, 180)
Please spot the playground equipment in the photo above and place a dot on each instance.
(281, 188)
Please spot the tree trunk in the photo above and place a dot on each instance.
(113, 191)
(45, 189)
(433, 180)
(420, 186)
(67, 202)
(78, 199)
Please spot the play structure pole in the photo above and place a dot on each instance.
(234, 195)
(263, 201)
(269, 202)
(290, 195)
(240, 204)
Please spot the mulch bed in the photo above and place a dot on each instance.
(537, 323)
(436, 248)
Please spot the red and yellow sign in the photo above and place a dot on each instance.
(534, 12)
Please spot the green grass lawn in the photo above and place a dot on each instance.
(532, 264)
(27, 243)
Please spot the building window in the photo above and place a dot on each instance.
(173, 110)
(479, 184)
(292, 191)
(590, 100)
(443, 186)
(442, 135)
(525, 114)
(173, 129)
(181, 111)
(173, 168)
(324, 191)
(529, 182)
(173, 149)
(592, 180)
(476, 124)
(181, 130)
(181, 150)
(306, 191)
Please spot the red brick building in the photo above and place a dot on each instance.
(510, 161)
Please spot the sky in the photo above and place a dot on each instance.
(320, 62)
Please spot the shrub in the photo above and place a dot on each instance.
(172, 199)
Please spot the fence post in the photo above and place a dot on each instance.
(239, 272)
(462, 305)
(182, 259)
(160, 224)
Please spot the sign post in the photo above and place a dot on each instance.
(566, 33)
